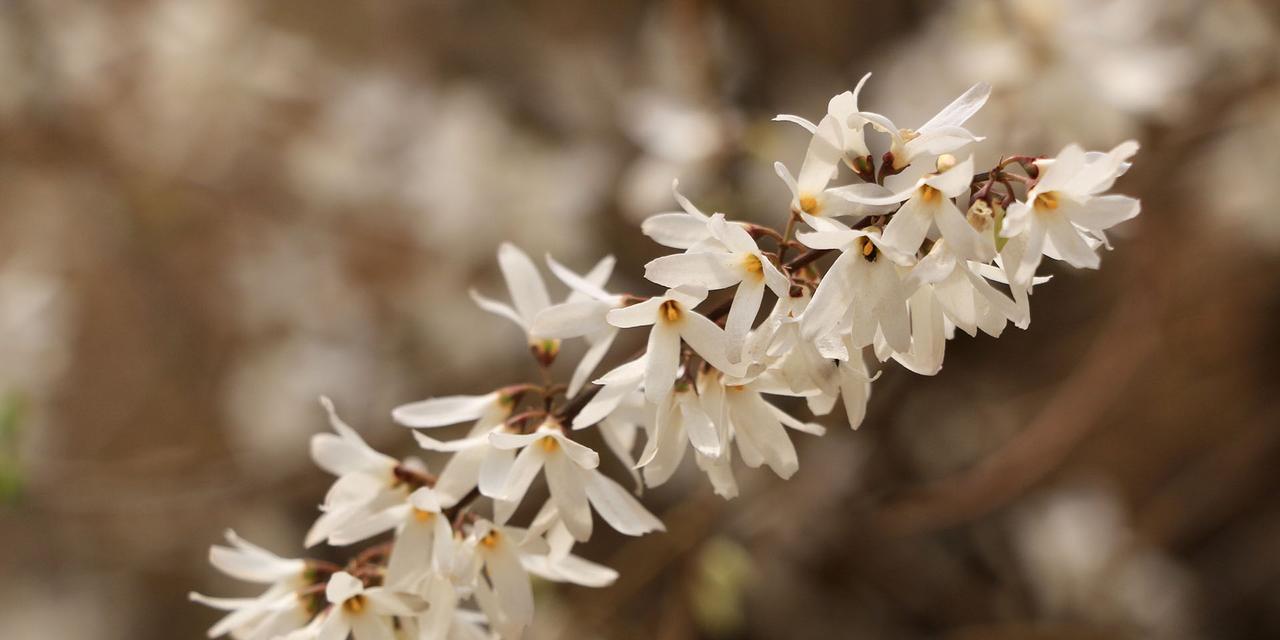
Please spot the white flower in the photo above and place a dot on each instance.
(855, 385)
(559, 564)
(928, 335)
(423, 538)
(277, 611)
(528, 295)
(509, 602)
(685, 229)
(1002, 271)
(365, 613)
(809, 192)
(673, 318)
(680, 420)
(366, 483)
(929, 204)
(1063, 207)
(754, 424)
(862, 288)
(474, 462)
(741, 263)
(963, 294)
(806, 368)
(617, 409)
(843, 108)
(583, 314)
(720, 472)
(444, 618)
(615, 387)
(572, 479)
(941, 134)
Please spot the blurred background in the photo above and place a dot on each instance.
(213, 211)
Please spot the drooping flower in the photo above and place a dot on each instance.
(758, 427)
(680, 420)
(583, 314)
(472, 456)
(528, 297)
(559, 564)
(367, 480)
(424, 539)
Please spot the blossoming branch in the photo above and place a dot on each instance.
(921, 245)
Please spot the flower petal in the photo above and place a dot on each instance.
(571, 319)
(709, 341)
(565, 483)
(498, 308)
(960, 109)
(636, 315)
(618, 508)
(443, 411)
(711, 270)
(528, 292)
(662, 360)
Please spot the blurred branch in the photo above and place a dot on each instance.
(1070, 415)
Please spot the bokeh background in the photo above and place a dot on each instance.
(213, 211)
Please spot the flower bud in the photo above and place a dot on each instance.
(945, 162)
(545, 351)
(980, 215)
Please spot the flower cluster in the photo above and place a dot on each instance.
(886, 266)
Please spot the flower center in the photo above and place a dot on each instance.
(868, 249)
(354, 604)
(1047, 201)
(929, 195)
(422, 516)
(669, 311)
(809, 204)
(752, 264)
(548, 444)
(490, 540)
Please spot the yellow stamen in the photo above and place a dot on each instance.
(549, 444)
(809, 205)
(868, 249)
(1047, 201)
(669, 311)
(490, 540)
(929, 195)
(354, 604)
(423, 516)
(753, 266)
